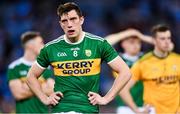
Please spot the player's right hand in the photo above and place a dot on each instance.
(95, 99)
(145, 110)
(53, 99)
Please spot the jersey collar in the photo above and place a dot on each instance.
(159, 56)
(131, 58)
(78, 42)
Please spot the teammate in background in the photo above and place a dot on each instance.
(159, 71)
(26, 101)
(76, 58)
(123, 35)
(120, 36)
(130, 41)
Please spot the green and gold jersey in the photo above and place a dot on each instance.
(18, 70)
(76, 69)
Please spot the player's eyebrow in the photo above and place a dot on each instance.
(63, 20)
(169, 37)
(72, 18)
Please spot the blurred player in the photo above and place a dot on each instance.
(120, 36)
(130, 41)
(26, 102)
(159, 71)
(76, 58)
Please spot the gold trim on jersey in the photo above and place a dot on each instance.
(84, 67)
(40, 79)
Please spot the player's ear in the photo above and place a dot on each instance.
(171, 46)
(82, 19)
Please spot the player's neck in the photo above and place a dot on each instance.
(73, 40)
(131, 54)
(29, 56)
(76, 40)
(159, 53)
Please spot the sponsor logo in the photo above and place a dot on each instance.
(70, 65)
(166, 79)
(77, 68)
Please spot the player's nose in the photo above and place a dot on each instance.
(69, 24)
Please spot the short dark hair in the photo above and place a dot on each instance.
(132, 36)
(65, 8)
(29, 35)
(159, 28)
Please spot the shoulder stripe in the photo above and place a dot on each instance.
(94, 36)
(15, 63)
(55, 41)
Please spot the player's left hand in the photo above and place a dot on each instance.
(95, 99)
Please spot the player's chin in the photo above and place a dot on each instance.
(72, 36)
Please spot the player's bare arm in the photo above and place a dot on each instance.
(32, 80)
(148, 39)
(48, 86)
(117, 37)
(19, 89)
(127, 98)
(124, 76)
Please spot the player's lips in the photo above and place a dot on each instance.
(71, 32)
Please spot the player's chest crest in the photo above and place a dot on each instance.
(88, 52)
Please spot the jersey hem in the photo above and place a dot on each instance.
(112, 60)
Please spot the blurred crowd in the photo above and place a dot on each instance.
(102, 17)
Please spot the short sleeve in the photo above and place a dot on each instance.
(47, 73)
(136, 71)
(42, 58)
(108, 53)
(11, 74)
